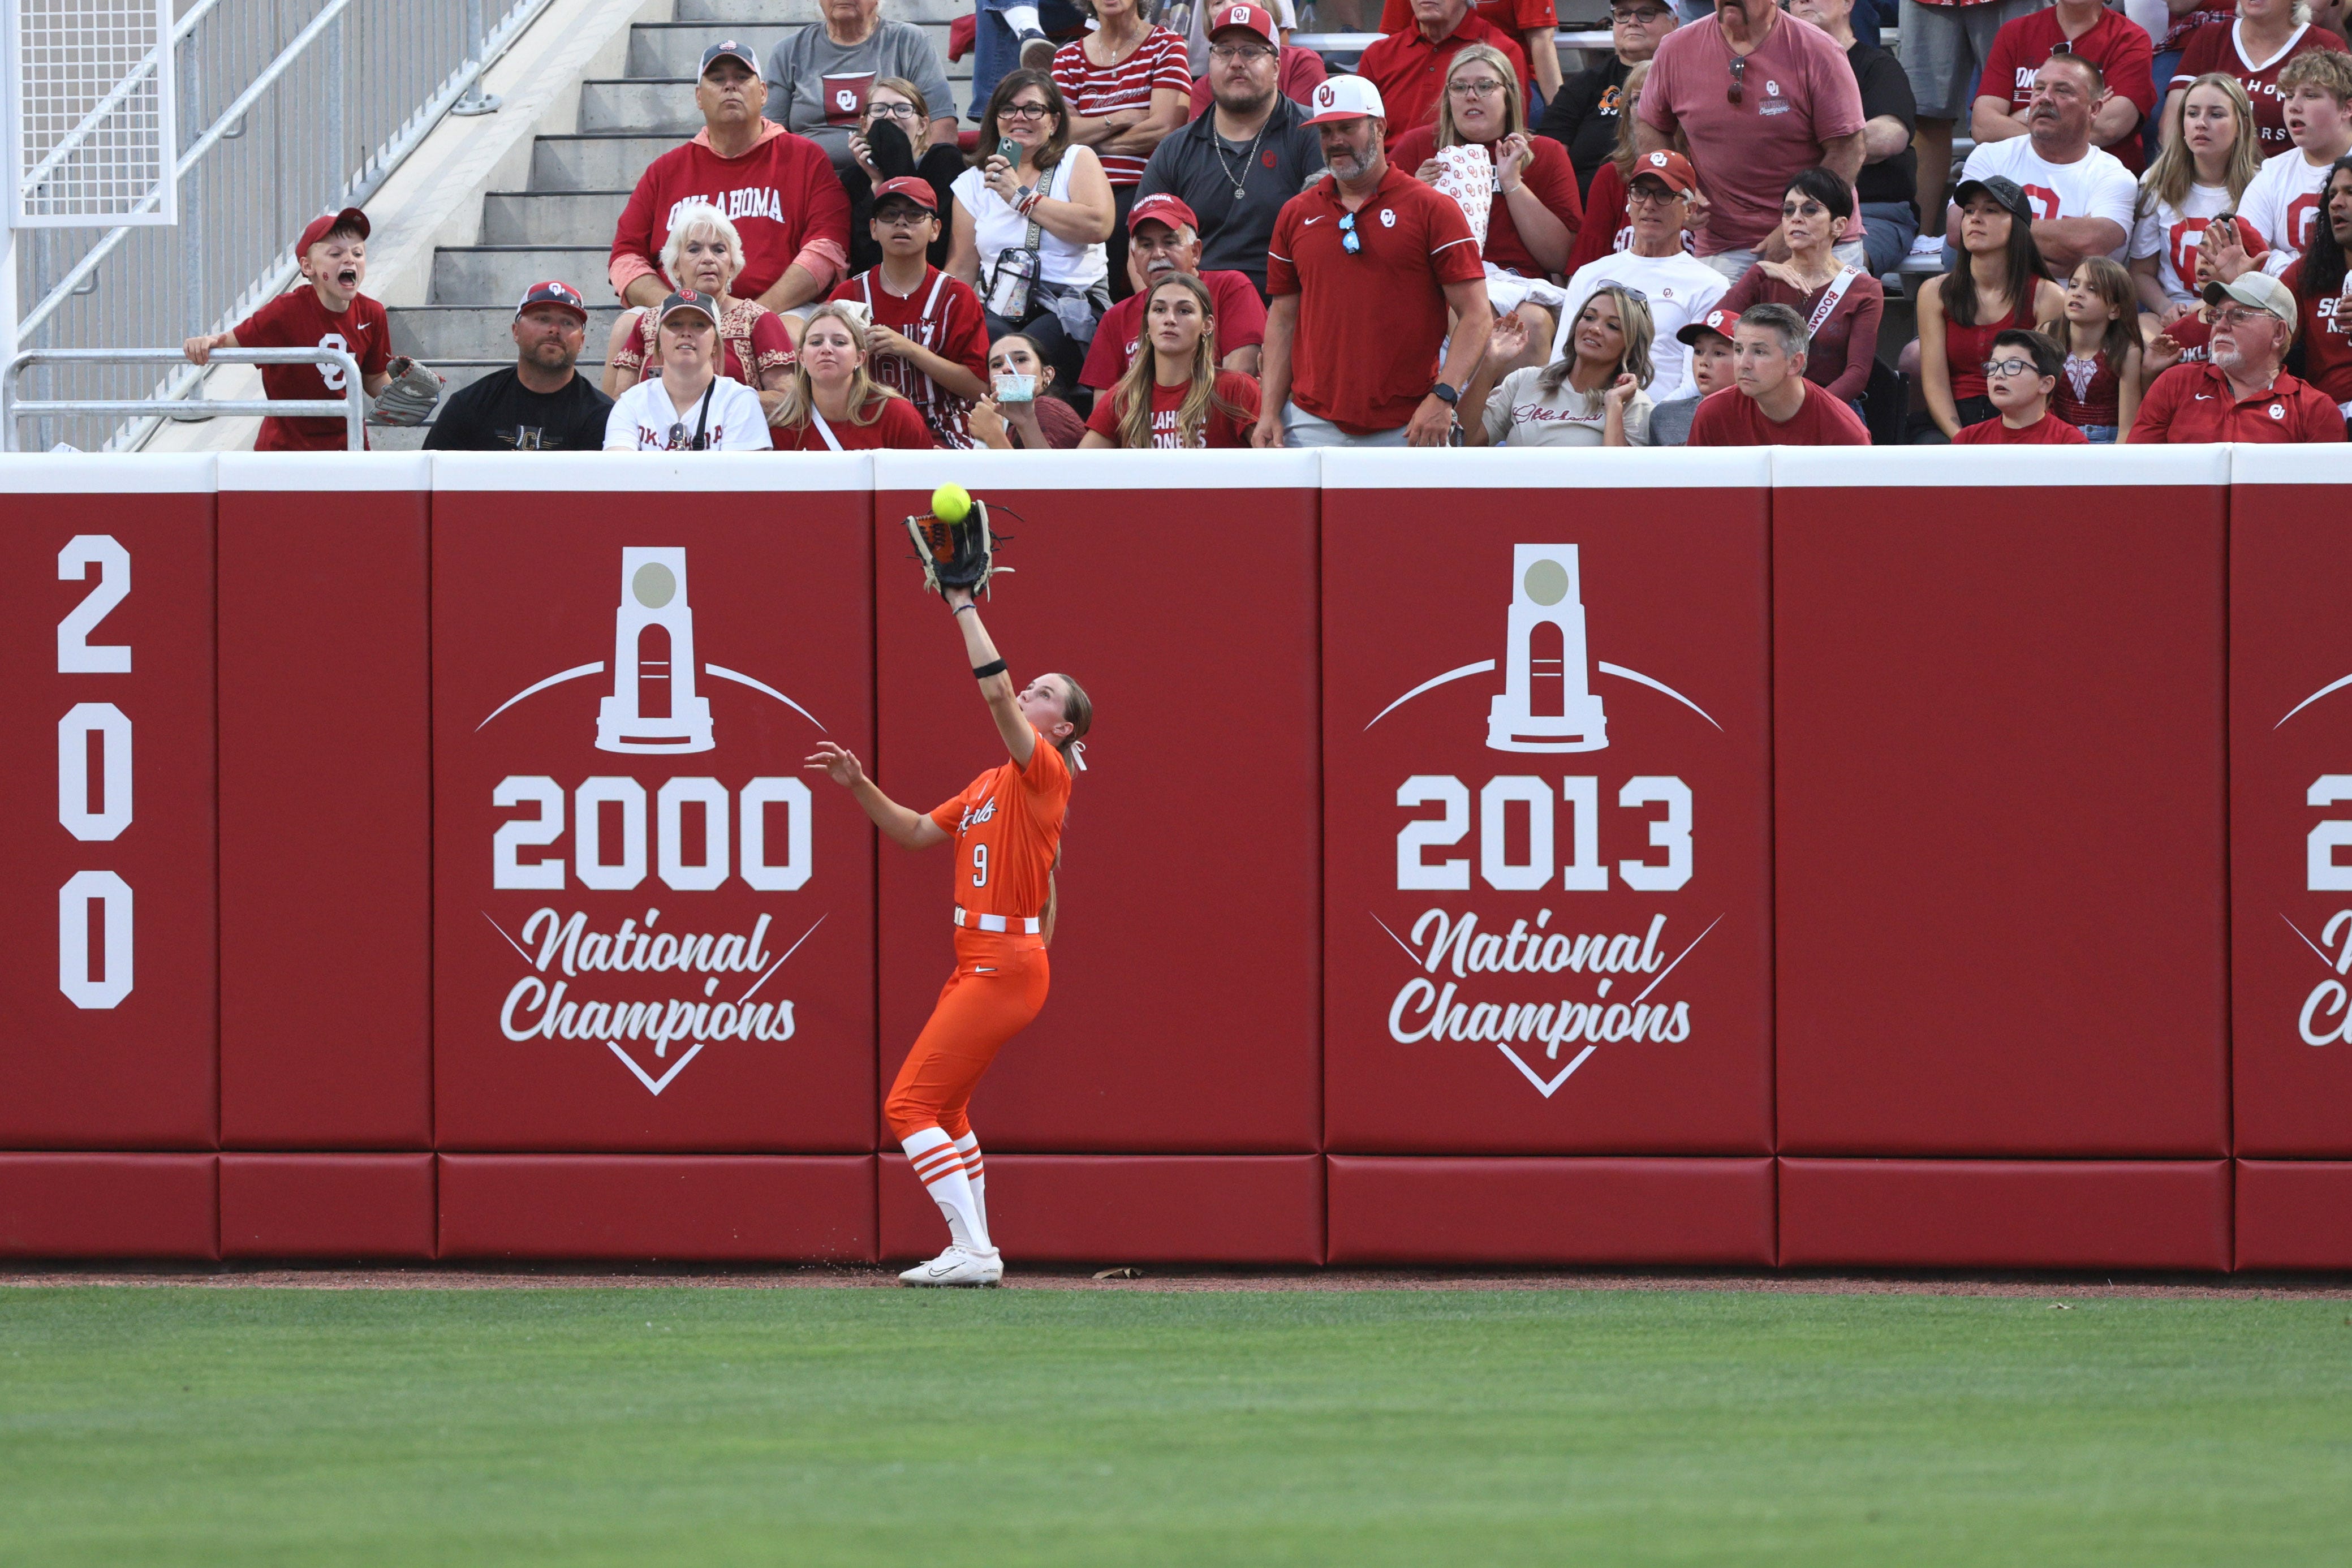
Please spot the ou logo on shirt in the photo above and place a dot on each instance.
(332, 375)
(2044, 202)
(2300, 213)
(845, 100)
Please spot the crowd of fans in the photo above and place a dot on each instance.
(1196, 237)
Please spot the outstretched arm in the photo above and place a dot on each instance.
(995, 689)
(907, 830)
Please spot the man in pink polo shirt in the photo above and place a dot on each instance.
(1758, 95)
(1409, 68)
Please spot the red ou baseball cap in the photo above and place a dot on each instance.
(1255, 17)
(913, 188)
(1162, 207)
(1720, 322)
(326, 223)
(563, 296)
(1669, 167)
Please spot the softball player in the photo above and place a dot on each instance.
(1006, 828)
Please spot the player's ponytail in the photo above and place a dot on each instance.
(1078, 709)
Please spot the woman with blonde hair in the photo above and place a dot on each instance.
(1175, 395)
(832, 404)
(702, 255)
(2212, 154)
(1532, 225)
(1607, 220)
(1595, 394)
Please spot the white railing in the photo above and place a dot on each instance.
(287, 108)
(351, 407)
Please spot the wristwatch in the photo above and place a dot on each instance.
(1446, 395)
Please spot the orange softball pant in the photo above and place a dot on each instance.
(999, 984)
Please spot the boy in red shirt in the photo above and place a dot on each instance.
(329, 312)
(2019, 378)
(1772, 403)
(926, 330)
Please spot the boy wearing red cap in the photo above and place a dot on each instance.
(926, 330)
(328, 312)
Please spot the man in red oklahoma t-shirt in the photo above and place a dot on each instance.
(1163, 239)
(2324, 322)
(1772, 403)
(327, 313)
(1364, 269)
(2108, 40)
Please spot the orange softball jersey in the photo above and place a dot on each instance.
(1008, 827)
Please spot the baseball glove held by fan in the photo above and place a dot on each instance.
(413, 393)
(960, 555)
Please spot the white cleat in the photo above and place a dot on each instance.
(957, 1265)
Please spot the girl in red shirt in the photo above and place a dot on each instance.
(1006, 826)
(1175, 395)
(2098, 386)
(832, 404)
(1536, 212)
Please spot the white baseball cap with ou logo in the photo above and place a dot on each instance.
(1347, 98)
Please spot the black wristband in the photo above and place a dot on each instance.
(960, 609)
(994, 667)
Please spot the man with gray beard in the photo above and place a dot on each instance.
(1237, 165)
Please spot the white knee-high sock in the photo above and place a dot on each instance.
(941, 1170)
(969, 1147)
(1021, 19)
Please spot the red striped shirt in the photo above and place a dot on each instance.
(1094, 90)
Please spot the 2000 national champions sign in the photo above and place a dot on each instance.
(1546, 903)
(650, 932)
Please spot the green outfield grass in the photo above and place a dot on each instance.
(661, 1427)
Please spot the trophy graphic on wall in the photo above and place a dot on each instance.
(1545, 704)
(654, 706)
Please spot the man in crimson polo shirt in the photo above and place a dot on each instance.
(1772, 403)
(1409, 68)
(1365, 268)
(2242, 394)
(2118, 45)
(1163, 239)
(1532, 22)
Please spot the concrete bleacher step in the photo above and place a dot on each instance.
(674, 49)
(460, 374)
(549, 217)
(604, 161)
(455, 334)
(796, 13)
(487, 274)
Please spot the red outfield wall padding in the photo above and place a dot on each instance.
(327, 1205)
(2005, 1214)
(1539, 1211)
(325, 804)
(1133, 1208)
(1547, 838)
(1183, 1015)
(2294, 1214)
(109, 993)
(678, 1209)
(2290, 806)
(652, 929)
(1998, 805)
(107, 1205)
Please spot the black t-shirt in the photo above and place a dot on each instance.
(499, 414)
(1887, 90)
(1197, 166)
(1583, 118)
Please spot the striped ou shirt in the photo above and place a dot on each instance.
(1160, 61)
(942, 315)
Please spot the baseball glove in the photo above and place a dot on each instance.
(956, 555)
(413, 393)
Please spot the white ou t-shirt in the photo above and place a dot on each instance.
(2171, 235)
(1520, 412)
(1678, 288)
(2094, 185)
(2283, 203)
(644, 416)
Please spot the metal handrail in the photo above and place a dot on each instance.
(351, 408)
